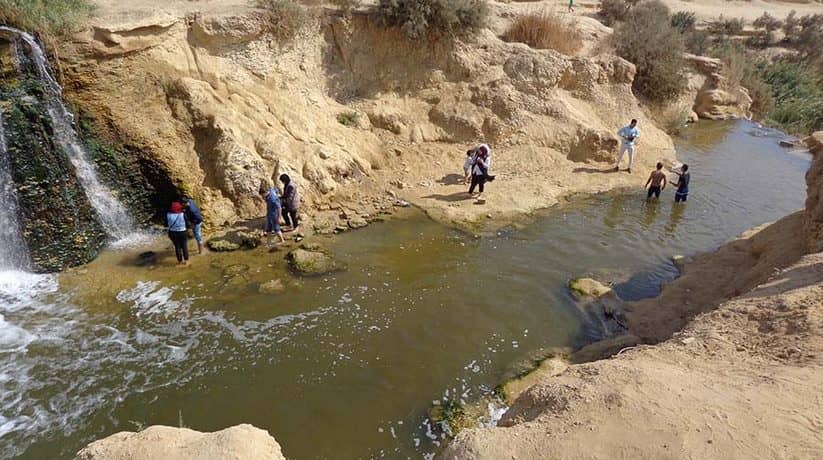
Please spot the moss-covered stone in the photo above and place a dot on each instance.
(222, 245)
(58, 223)
(313, 263)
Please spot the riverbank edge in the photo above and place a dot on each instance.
(703, 298)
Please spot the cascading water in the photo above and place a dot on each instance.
(13, 251)
(114, 217)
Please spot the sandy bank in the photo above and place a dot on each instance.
(740, 381)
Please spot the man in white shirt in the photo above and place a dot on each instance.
(629, 135)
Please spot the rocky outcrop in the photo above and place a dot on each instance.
(221, 103)
(715, 97)
(238, 442)
(311, 260)
(814, 199)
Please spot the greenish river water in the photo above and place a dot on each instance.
(347, 366)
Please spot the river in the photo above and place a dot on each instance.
(347, 366)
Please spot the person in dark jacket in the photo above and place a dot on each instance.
(291, 203)
(195, 219)
(176, 221)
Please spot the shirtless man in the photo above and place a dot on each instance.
(657, 179)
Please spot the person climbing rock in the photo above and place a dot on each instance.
(195, 219)
(656, 182)
(291, 203)
(629, 135)
(273, 210)
(682, 192)
(480, 169)
(176, 221)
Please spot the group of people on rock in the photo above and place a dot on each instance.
(284, 208)
(184, 215)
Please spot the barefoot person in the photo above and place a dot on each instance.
(291, 203)
(195, 219)
(682, 192)
(273, 207)
(480, 169)
(656, 182)
(176, 221)
(629, 135)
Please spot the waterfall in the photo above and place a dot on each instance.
(114, 217)
(13, 250)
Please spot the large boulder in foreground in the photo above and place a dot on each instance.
(238, 442)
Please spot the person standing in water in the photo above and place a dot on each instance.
(656, 183)
(291, 202)
(480, 169)
(273, 210)
(176, 221)
(629, 135)
(682, 192)
(195, 219)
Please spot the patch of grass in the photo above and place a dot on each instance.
(285, 17)
(433, 18)
(348, 118)
(740, 70)
(797, 89)
(49, 17)
(545, 31)
(683, 21)
(647, 39)
(613, 11)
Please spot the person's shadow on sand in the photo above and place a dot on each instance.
(452, 179)
(457, 196)
(594, 170)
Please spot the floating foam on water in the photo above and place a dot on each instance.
(150, 298)
(136, 240)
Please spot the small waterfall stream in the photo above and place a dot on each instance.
(13, 250)
(114, 217)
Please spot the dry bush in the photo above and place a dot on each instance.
(433, 18)
(346, 6)
(726, 26)
(285, 17)
(740, 70)
(50, 17)
(545, 31)
(614, 11)
(647, 39)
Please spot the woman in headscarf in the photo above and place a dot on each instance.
(291, 202)
(273, 206)
(176, 221)
(480, 168)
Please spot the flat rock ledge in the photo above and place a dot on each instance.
(164, 442)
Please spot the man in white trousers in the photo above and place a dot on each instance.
(629, 135)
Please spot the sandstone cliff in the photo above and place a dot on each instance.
(351, 109)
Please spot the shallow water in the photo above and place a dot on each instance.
(346, 366)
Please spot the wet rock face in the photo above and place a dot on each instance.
(59, 225)
(313, 261)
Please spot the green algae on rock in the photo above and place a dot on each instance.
(313, 262)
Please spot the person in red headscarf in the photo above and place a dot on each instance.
(176, 221)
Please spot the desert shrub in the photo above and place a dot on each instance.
(698, 41)
(740, 70)
(810, 39)
(545, 31)
(766, 25)
(346, 6)
(614, 11)
(647, 39)
(684, 21)
(52, 17)
(348, 118)
(285, 17)
(791, 27)
(797, 89)
(433, 18)
(726, 26)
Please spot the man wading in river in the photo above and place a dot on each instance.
(629, 134)
(657, 179)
